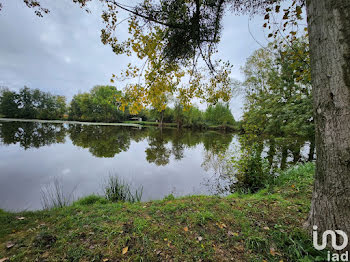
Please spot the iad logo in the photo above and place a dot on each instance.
(332, 234)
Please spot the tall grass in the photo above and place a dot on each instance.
(53, 195)
(116, 190)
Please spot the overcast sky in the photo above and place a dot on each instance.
(62, 52)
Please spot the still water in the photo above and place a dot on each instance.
(81, 157)
(162, 161)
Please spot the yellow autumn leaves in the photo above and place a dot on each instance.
(158, 81)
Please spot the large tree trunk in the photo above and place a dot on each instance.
(329, 32)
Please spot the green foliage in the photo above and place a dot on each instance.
(32, 104)
(99, 105)
(251, 171)
(296, 179)
(220, 114)
(117, 190)
(278, 98)
(192, 117)
(169, 197)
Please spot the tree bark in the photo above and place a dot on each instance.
(329, 33)
(284, 157)
(161, 118)
(272, 151)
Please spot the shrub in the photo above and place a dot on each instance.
(251, 171)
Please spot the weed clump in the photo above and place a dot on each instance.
(118, 190)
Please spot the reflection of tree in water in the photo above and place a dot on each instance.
(215, 160)
(279, 152)
(102, 141)
(157, 152)
(216, 146)
(180, 139)
(30, 135)
(177, 147)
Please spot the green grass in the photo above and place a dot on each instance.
(257, 227)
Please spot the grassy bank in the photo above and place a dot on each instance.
(266, 226)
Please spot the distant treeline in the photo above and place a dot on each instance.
(101, 105)
(31, 103)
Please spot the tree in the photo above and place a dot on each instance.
(32, 103)
(220, 114)
(329, 29)
(100, 104)
(193, 27)
(277, 103)
(8, 103)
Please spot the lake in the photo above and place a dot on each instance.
(33, 155)
(81, 157)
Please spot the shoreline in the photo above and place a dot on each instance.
(67, 122)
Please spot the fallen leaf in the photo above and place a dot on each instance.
(105, 260)
(9, 245)
(272, 252)
(221, 225)
(4, 259)
(45, 255)
(186, 229)
(125, 250)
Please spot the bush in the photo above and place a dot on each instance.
(252, 172)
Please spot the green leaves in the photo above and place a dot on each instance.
(278, 91)
(32, 103)
(101, 104)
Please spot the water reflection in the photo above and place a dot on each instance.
(102, 141)
(160, 160)
(32, 135)
(109, 141)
